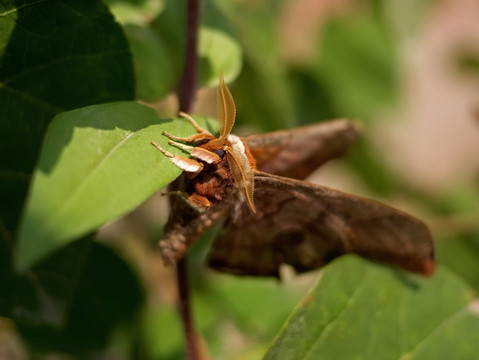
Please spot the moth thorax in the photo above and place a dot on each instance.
(241, 152)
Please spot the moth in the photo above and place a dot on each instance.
(271, 216)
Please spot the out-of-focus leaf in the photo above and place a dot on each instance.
(139, 12)
(218, 48)
(262, 92)
(219, 53)
(310, 96)
(162, 332)
(56, 56)
(155, 71)
(356, 61)
(170, 28)
(96, 164)
(231, 301)
(363, 310)
(162, 326)
(106, 295)
(467, 62)
(42, 296)
(249, 301)
(460, 253)
(458, 249)
(377, 175)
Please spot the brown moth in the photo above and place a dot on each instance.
(275, 219)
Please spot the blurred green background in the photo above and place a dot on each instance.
(408, 71)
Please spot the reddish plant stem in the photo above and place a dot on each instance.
(188, 82)
(184, 307)
(186, 94)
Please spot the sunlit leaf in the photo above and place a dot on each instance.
(96, 164)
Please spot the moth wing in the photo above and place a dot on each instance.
(306, 226)
(296, 153)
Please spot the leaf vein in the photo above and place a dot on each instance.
(77, 191)
(11, 11)
(433, 332)
(348, 304)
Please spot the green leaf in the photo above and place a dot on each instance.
(139, 12)
(356, 60)
(218, 48)
(106, 294)
(154, 66)
(361, 310)
(262, 93)
(219, 53)
(96, 164)
(55, 56)
(30, 296)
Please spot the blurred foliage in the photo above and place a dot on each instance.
(79, 298)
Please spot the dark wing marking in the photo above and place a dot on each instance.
(296, 153)
(307, 226)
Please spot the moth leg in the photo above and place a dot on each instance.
(190, 139)
(199, 153)
(194, 123)
(181, 194)
(197, 202)
(202, 133)
(188, 165)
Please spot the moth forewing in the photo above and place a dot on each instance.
(297, 152)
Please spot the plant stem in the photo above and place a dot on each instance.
(184, 306)
(188, 82)
(186, 94)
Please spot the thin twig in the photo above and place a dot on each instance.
(185, 310)
(188, 82)
(186, 94)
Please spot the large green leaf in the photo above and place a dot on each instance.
(360, 310)
(55, 56)
(96, 164)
